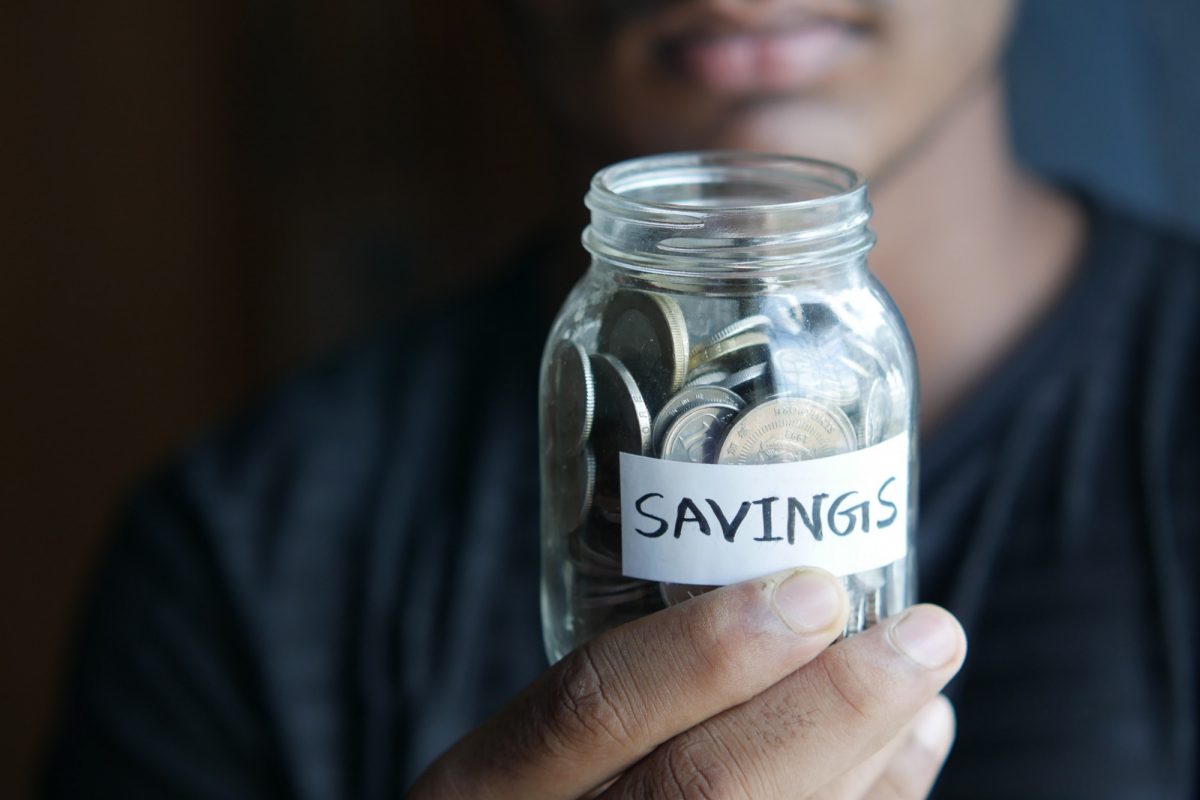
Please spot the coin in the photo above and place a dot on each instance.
(735, 352)
(786, 429)
(648, 334)
(744, 325)
(572, 400)
(621, 425)
(870, 580)
(707, 377)
(751, 382)
(898, 396)
(809, 372)
(858, 368)
(621, 595)
(695, 435)
(865, 352)
(818, 318)
(602, 535)
(576, 483)
(690, 397)
(608, 509)
(785, 313)
(590, 560)
(876, 413)
(872, 610)
(616, 585)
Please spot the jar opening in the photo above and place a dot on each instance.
(699, 212)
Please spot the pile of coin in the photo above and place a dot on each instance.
(781, 383)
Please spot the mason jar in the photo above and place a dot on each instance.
(727, 392)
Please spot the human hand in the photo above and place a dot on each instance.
(734, 693)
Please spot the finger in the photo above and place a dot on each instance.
(912, 771)
(932, 730)
(609, 703)
(855, 782)
(814, 725)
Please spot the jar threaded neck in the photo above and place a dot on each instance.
(727, 213)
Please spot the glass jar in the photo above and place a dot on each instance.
(727, 392)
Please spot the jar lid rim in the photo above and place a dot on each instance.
(614, 184)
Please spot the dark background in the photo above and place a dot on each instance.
(202, 196)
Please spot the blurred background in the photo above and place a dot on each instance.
(199, 198)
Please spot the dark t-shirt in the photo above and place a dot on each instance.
(319, 600)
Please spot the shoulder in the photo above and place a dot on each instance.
(1143, 295)
(1155, 286)
(312, 453)
(1155, 297)
(233, 601)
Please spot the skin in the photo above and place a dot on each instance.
(732, 694)
(971, 248)
(735, 693)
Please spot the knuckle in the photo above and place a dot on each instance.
(718, 652)
(586, 710)
(856, 693)
(698, 770)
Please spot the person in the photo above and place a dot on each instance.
(319, 601)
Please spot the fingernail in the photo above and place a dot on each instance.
(933, 729)
(927, 635)
(808, 601)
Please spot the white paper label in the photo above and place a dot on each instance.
(715, 524)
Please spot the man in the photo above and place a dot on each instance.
(320, 601)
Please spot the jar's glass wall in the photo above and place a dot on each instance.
(673, 343)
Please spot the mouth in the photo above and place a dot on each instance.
(732, 56)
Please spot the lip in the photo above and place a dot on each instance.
(772, 50)
(775, 61)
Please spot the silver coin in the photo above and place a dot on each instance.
(872, 610)
(857, 617)
(707, 377)
(690, 397)
(876, 413)
(696, 434)
(617, 585)
(863, 351)
(753, 381)
(589, 560)
(602, 538)
(785, 313)
(647, 333)
(572, 401)
(576, 482)
(744, 325)
(860, 369)
(870, 580)
(808, 372)
(608, 509)
(630, 595)
(786, 429)
(818, 318)
(733, 353)
(621, 425)
(898, 396)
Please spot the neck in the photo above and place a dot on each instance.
(972, 249)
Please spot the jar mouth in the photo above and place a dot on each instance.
(684, 212)
(713, 180)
